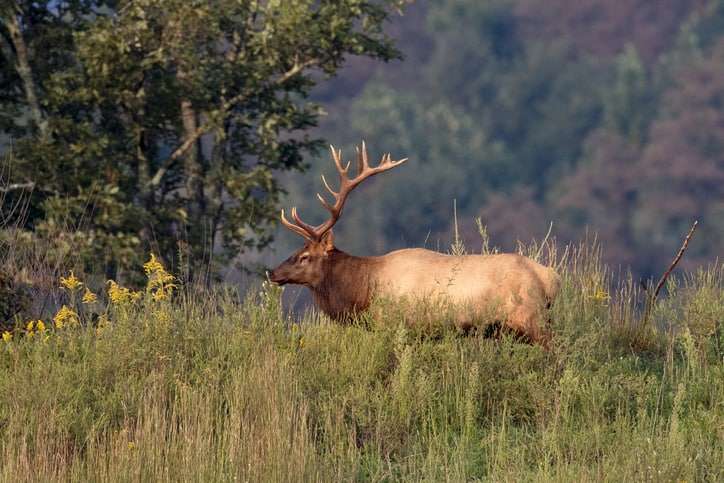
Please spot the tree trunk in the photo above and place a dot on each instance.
(193, 168)
(145, 193)
(22, 64)
(194, 185)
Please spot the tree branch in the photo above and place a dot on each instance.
(225, 108)
(662, 281)
(676, 260)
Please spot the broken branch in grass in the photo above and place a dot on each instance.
(676, 260)
(665, 276)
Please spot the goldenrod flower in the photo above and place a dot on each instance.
(121, 295)
(40, 326)
(7, 336)
(162, 293)
(161, 284)
(600, 295)
(65, 316)
(71, 283)
(89, 297)
(153, 265)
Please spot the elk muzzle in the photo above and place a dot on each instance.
(278, 276)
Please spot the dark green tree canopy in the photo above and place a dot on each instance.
(148, 122)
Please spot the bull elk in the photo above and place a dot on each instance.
(517, 288)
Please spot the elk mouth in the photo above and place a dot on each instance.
(278, 279)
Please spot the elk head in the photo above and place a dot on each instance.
(308, 265)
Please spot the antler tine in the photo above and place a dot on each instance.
(346, 168)
(334, 194)
(362, 161)
(326, 185)
(337, 156)
(389, 163)
(385, 160)
(296, 229)
(329, 207)
(304, 226)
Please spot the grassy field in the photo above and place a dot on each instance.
(210, 386)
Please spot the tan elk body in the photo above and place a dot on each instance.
(511, 288)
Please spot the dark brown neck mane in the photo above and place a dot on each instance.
(345, 289)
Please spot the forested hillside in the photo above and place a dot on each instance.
(603, 117)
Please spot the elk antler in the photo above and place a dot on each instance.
(346, 185)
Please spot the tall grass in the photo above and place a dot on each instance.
(210, 387)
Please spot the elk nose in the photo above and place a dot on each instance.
(275, 277)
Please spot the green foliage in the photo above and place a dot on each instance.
(170, 119)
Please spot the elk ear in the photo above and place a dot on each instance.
(328, 241)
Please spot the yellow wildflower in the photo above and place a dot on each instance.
(30, 326)
(7, 336)
(71, 283)
(600, 295)
(121, 295)
(40, 326)
(161, 284)
(131, 445)
(89, 297)
(65, 316)
(163, 293)
(153, 266)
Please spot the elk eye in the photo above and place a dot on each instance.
(304, 258)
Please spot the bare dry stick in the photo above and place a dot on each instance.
(666, 274)
(543, 243)
(676, 260)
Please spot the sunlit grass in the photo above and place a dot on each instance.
(204, 386)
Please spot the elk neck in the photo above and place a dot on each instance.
(345, 288)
